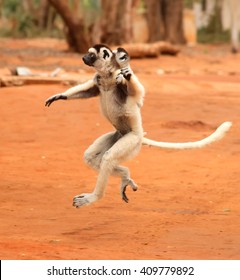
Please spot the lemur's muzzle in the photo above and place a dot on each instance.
(89, 59)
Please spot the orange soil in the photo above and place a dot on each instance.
(187, 205)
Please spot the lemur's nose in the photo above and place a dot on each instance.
(84, 59)
(89, 60)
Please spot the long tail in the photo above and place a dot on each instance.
(215, 136)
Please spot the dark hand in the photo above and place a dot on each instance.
(127, 73)
(54, 98)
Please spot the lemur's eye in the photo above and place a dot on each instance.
(124, 57)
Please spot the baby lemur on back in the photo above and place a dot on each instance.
(121, 98)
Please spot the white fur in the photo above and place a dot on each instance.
(215, 136)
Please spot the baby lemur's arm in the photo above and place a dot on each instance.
(86, 90)
(127, 77)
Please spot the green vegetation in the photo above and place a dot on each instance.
(19, 19)
(214, 32)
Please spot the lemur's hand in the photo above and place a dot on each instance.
(119, 78)
(54, 98)
(126, 72)
(97, 80)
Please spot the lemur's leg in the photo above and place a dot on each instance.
(125, 148)
(93, 157)
(94, 153)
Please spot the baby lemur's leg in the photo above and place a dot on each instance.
(108, 160)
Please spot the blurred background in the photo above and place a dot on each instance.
(86, 22)
(186, 199)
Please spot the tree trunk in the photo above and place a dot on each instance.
(109, 28)
(76, 36)
(1, 8)
(125, 19)
(116, 21)
(173, 21)
(154, 20)
(165, 20)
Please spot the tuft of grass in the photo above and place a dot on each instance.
(205, 36)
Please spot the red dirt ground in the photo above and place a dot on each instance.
(187, 205)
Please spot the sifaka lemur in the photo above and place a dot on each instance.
(121, 98)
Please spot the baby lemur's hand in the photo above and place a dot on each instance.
(54, 98)
(127, 73)
(119, 78)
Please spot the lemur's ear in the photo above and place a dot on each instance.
(105, 54)
(103, 51)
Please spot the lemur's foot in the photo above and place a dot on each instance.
(84, 199)
(124, 185)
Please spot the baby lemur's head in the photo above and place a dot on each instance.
(122, 57)
(104, 60)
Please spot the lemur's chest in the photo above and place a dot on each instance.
(112, 104)
(116, 103)
(113, 96)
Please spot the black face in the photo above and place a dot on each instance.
(89, 59)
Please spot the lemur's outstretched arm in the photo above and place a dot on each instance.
(85, 90)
